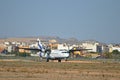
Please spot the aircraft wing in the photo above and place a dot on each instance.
(79, 50)
(35, 49)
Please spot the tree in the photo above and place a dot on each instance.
(116, 52)
(108, 55)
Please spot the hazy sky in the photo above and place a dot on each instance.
(83, 19)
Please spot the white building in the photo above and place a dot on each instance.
(95, 47)
(116, 48)
(112, 47)
(63, 47)
(7, 43)
(9, 48)
(35, 45)
(105, 48)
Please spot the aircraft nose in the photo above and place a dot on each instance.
(67, 54)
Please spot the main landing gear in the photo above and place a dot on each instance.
(59, 60)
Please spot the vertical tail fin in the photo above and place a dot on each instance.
(40, 46)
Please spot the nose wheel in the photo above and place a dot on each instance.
(59, 60)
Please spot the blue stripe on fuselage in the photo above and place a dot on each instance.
(40, 46)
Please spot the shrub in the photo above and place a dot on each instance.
(24, 54)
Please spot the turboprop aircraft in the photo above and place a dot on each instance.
(48, 53)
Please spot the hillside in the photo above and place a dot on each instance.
(44, 38)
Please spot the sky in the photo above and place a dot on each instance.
(82, 19)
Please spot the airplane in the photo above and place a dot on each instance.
(49, 54)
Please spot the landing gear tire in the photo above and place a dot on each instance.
(47, 60)
(66, 59)
(59, 60)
